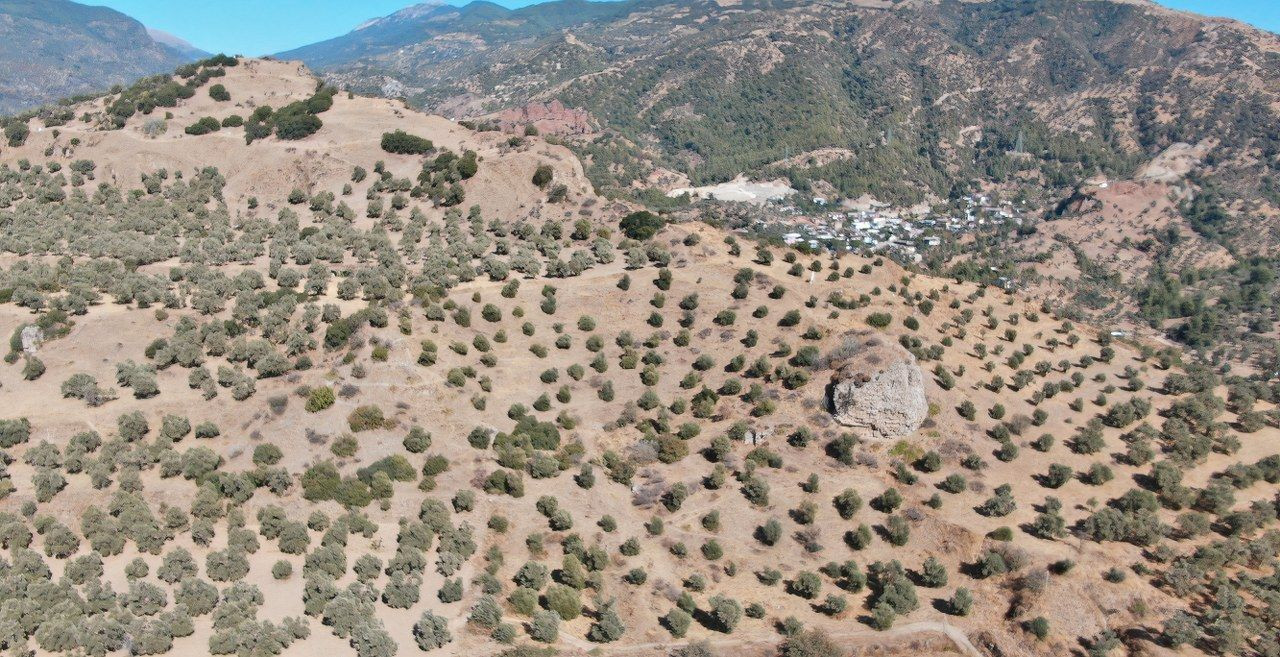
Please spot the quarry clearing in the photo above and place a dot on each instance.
(739, 189)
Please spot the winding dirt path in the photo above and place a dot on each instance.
(953, 633)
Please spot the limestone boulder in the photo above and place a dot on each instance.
(878, 386)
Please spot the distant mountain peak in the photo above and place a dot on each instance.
(177, 43)
(409, 13)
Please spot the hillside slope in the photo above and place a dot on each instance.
(321, 163)
(923, 95)
(281, 380)
(53, 49)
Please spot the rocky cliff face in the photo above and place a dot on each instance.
(551, 118)
(879, 388)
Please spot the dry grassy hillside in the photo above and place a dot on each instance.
(1140, 255)
(535, 426)
(1110, 228)
(322, 162)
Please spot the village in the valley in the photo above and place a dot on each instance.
(904, 233)
(861, 226)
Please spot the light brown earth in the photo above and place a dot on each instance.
(1078, 604)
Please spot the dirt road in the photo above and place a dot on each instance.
(954, 634)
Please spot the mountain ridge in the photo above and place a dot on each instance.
(54, 49)
(176, 43)
(712, 91)
(398, 29)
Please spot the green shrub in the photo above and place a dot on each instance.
(266, 454)
(14, 432)
(32, 368)
(545, 627)
(809, 643)
(403, 143)
(807, 585)
(319, 399)
(321, 482)
(725, 614)
(677, 622)
(564, 601)
(431, 631)
(345, 446)
(543, 175)
(366, 417)
(641, 225)
(294, 122)
(608, 626)
(204, 126)
(16, 133)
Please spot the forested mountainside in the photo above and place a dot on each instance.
(52, 49)
(903, 99)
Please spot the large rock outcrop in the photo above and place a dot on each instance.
(549, 118)
(878, 386)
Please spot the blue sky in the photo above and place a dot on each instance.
(260, 27)
(276, 25)
(1263, 13)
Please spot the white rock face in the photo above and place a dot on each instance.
(881, 389)
(32, 338)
